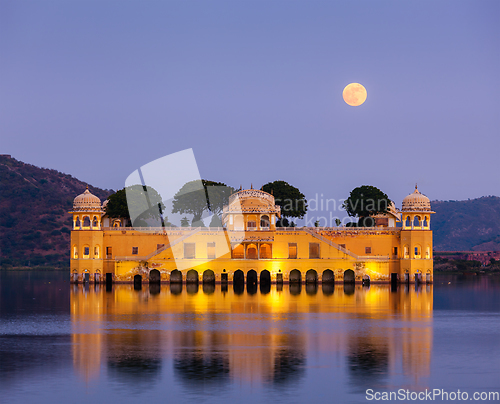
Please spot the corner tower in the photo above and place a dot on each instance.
(416, 239)
(250, 210)
(86, 262)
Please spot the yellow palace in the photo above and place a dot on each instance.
(250, 248)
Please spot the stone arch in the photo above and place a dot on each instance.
(86, 251)
(208, 276)
(238, 276)
(238, 222)
(137, 281)
(95, 222)
(251, 222)
(77, 223)
(265, 282)
(416, 221)
(154, 276)
(408, 221)
(238, 252)
(295, 276)
(252, 277)
(417, 251)
(264, 222)
(328, 276)
(176, 276)
(426, 221)
(266, 251)
(86, 221)
(349, 276)
(252, 252)
(192, 276)
(265, 277)
(311, 276)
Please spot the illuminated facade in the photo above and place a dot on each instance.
(250, 248)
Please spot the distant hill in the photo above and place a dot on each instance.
(472, 225)
(35, 226)
(34, 223)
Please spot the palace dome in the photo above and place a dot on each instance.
(416, 202)
(87, 202)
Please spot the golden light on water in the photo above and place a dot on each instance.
(354, 94)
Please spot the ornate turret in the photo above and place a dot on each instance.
(86, 238)
(416, 211)
(251, 209)
(416, 202)
(87, 211)
(416, 238)
(87, 202)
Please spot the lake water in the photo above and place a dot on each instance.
(67, 343)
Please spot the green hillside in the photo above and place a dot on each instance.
(467, 225)
(34, 223)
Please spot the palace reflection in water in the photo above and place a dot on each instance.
(214, 335)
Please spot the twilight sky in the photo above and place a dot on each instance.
(97, 89)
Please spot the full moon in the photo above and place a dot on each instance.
(354, 94)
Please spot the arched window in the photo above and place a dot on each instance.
(264, 222)
(96, 251)
(75, 252)
(406, 252)
(418, 251)
(86, 221)
(77, 223)
(86, 251)
(416, 221)
(426, 222)
(266, 251)
(238, 252)
(94, 222)
(408, 222)
(238, 222)
(428, 252)
(252, 222)
(252, 252)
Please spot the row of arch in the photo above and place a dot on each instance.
(86, 252)
(86, 222)
(416, 221)
(208, 276)
(417, 252)
(250, 222)
(239, 288)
